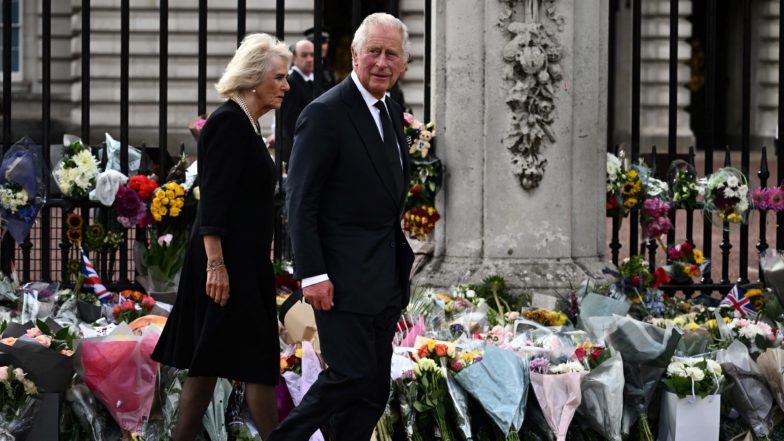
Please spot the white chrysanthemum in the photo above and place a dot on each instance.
(566, 368)
(732, 181)
(714, 368)
(85, 161)
(743, 191)
(729, 192)
(751, 331)
(656, 187)
(676, 368)
(695, 373)
(613, 166)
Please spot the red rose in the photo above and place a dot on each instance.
(686, 248)
(441, 350)
(662, 278)
(579, 353)
(636, 280)
(597, 353)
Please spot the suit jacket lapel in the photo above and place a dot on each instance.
(368, 132)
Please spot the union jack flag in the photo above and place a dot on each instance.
(737, 299)
(92, 282)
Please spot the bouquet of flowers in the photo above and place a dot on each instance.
(546, 317)
(163, 260)
(557, 388)
(756, 335)
(655, 218)
(770, 198)
(425, 180)
(432, 395)
(683, 415)
(132, 305)
(601, 389)
(624, 187)
(727, 194)
(684, 187)
(75, 174)
(17, 405)
(21, 190)
(685, 262)
(131, 201)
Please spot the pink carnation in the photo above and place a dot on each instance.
(33, 332)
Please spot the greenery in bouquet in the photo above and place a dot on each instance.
(17, 388)
(494, 291)
(432, 397)
(634, 277)
(693, 376)
(133, 304)
(685, 262)
(685, 187)
(165, 254)
(727, 195)
(770, 199)
(76, 173)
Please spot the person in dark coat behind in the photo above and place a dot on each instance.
(223, 323)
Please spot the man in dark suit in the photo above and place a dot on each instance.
(345, 194)
(299, 96)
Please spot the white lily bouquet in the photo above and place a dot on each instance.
(76, 173)
(691, 403)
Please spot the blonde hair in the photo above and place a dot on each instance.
(250, 63)
(380, 19)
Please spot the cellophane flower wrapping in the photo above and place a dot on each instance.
(21, 189)
(214, 419)
(21, 422)
(602, 389)
(772, 265)
(727, 195)
(500, 384)
(299, 385)
(749, 393)
(90, 415)
(559, 397)
(646, 351)
(771, 363)
(118, 369)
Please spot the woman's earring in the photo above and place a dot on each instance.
(254, 90)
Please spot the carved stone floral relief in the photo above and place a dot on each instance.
(532, 69)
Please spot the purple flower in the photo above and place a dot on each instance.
(760, 198)
(540, 365)
(775, 199)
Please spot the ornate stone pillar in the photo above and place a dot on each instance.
(520, 81)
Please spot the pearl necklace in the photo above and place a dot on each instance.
(241, 102)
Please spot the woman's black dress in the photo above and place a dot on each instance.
(238, 341)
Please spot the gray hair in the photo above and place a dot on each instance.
(251, 63)
(380, 19)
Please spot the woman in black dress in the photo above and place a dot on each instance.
(223, 323)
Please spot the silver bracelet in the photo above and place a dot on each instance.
(214, 266)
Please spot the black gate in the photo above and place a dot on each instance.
(44, 255)
(712, 146)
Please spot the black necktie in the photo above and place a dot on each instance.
(309, 88)
(391, 147)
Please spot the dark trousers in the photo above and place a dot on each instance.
(351, 394)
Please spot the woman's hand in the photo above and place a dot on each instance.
(218, 285)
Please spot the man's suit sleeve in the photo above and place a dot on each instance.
(312, 159)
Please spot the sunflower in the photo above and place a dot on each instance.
(74, 221)
(96, 232)
(74, 235)
(74, 266)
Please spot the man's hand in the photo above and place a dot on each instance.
(319, 295)
(218, 285)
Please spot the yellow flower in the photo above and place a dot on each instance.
(431, 345)
(698, 257)
(298, 353)
(691, 326)
(174, 212)
(632, 174)
(170, 194)
(157, 217)
(630, 203)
